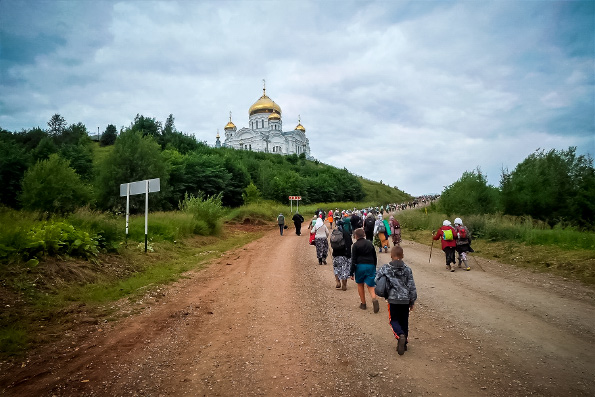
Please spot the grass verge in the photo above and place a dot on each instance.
(575, 263)
(41, 303)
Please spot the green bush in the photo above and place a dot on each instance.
(59, 238)
(52, 186)
(23, 238)
(471, 194)
(553, 186)
(257, 213)
(207, 210)
(163, 226)
(108, 228)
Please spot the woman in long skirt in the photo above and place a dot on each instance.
(395, 228)
(321, 241)
(342, 259)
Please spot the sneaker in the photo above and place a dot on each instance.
(362, 306)
(467, 268)
(401, 345)
(452, 269)
(376, 305)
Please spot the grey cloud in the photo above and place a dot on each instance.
(426, 80)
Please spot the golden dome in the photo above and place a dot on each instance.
(230, 125)
(274, 116)
(300, 126)
(264, 105)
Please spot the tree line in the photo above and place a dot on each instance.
(555, 186)
(58, 169)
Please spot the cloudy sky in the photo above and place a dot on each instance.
(410, 93)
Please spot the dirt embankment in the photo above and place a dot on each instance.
(266, 320)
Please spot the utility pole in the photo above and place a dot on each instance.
(97, 134)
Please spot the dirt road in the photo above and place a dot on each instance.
(266, 320)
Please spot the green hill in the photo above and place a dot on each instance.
(274, 176)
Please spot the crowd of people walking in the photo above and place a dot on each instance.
(355, 239)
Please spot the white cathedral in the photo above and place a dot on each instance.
(265, 133)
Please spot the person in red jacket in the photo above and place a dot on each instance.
(447, 236)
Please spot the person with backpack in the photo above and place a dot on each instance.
(380, 238)
(394, 282)
(298, 219)
(369, 226)
(281, 222)
(321, 234)
(446, 234)
(337, 215)
(330, 218)
(341, 244)
(463, 239)
(395, 228)
(363, 268)
(356, 220)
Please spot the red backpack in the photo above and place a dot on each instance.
(462, 232)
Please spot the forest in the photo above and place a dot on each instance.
(556, 187)
(59, 169)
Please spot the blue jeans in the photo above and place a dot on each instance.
(281, 229)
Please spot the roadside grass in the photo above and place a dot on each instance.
(520, 242)
(13, 340)
(47, 310)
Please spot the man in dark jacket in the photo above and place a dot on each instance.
(297, 221)
(363, 268)
(369, 226)
(356, 221)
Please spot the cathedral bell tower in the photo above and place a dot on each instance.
(229, 129)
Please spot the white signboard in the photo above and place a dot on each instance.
(140, 187)
(131, 188)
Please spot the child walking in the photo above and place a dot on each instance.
(394, 282)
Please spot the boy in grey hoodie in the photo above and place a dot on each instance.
(394, 282)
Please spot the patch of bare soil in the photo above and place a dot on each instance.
(265, 319)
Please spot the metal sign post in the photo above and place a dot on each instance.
(147, 186)
(297, 202)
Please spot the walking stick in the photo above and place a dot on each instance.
(478, 265)
(432, 246)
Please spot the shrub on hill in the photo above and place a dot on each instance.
(52, 186)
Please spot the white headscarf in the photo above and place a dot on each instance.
(319, 222)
